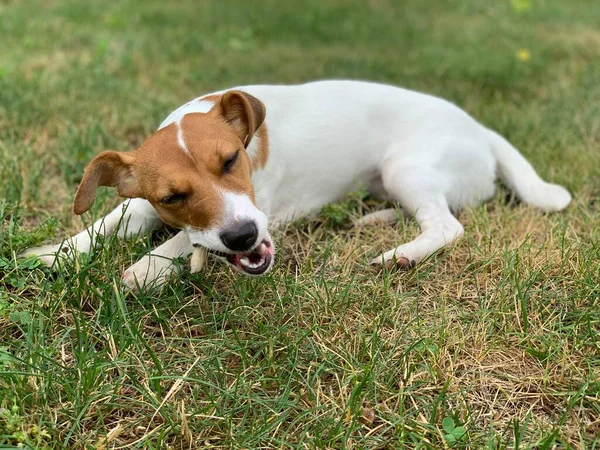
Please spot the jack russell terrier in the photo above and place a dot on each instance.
(223, 165)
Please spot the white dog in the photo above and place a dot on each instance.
(223, 165)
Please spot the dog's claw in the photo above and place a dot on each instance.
(395, 263)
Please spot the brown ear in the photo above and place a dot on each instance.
(244, 113)
(109, 168)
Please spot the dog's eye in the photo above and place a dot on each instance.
(229, 162)
(172, 198)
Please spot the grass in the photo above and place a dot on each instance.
(498, 334)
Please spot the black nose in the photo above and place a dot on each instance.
(240, 237)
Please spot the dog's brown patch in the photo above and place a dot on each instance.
(262, 153)
(193, 173)
(109, 168)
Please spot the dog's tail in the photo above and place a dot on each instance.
(518, 175)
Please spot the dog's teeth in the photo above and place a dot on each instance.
(262, 248)
(245, 261)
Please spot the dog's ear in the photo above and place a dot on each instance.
(244, 113)
(109, 168)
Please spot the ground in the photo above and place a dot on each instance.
(492, 343)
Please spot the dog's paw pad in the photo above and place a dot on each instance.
(404, 263)
(401, 262)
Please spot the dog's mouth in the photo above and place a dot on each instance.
(254, 262)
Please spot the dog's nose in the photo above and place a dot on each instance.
(240, 237)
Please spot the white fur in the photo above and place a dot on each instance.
(327, 138)
(130, 218)
(180, 138)
(195, 106)
(154, 268)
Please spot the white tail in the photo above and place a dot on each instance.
(519, 176)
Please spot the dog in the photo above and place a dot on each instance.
(224, 165)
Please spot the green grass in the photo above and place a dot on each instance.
(499, 333)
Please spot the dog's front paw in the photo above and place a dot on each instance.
(50, 255)
(149, 272)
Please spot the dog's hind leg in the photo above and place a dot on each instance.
(420, 193)
(130, 218)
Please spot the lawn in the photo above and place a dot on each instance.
(493, 343)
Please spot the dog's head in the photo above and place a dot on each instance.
(196, 172)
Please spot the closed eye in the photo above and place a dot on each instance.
(229, 162)
(172, 199)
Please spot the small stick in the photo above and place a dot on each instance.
(198, 259)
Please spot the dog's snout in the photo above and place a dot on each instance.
(240, 237)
